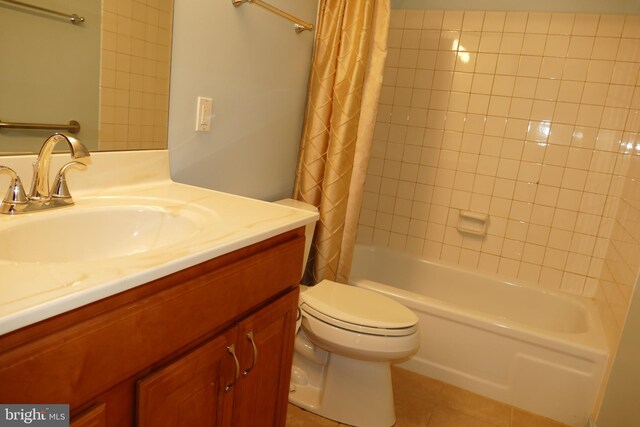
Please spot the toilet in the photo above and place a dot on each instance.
(344, 346)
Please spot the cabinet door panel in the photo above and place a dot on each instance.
(94, 417)
(190, 391)
(260, 397)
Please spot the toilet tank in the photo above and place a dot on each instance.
(309, 228)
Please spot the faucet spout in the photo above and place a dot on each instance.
(40, 189)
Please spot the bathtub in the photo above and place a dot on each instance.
(541, 351)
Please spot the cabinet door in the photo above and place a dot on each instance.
(266, 341)
(95, 417)
(190, 391)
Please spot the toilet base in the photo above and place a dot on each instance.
(350, 391)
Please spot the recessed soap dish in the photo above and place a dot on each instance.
(473, 223)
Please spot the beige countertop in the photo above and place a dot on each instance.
(38, 285)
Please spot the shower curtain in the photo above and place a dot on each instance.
(344, 87)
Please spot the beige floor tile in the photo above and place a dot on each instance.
(424, 402)
(408, 382)
(415, 398)
(412, 420)
(447, 417)
(297, 417)
(477, 406)
(526, 419)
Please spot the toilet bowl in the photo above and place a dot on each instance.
(343, 351)
(344, 347)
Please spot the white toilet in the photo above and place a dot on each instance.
(343, 351)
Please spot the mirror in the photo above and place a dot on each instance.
(110, 73)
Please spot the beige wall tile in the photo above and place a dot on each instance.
(611, 26)
(552, 68)
(494, 21)
(433, 19)
(136, 93)
(556, 45)
(580, 47)
(561, 23)
(473, 21)
(538, 22)
(530, 117)
(490, 42)
(452, 19)
(413, 19)
(631, 28)
(585, 24)
(516, 22)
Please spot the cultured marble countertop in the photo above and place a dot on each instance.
(36, 290)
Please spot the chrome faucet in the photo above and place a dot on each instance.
(40, 189)
(41, 195)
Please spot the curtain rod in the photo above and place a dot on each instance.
(299, 25)
(73, 18)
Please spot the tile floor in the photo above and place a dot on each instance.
(424, 402)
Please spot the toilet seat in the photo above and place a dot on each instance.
(358, 310)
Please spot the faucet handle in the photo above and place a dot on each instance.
(60, 190)
(15, 195)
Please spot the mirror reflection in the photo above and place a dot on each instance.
(109, 73)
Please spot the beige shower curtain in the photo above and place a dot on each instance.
(344, 87)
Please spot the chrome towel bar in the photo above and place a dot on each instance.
(299, 24)
(73, 18)
(72, 127)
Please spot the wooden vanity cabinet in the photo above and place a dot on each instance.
(189, 391)
(239, 378)
(265, 353)
(161, 354)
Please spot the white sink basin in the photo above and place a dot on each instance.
(100, 229)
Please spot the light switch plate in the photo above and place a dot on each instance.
(203, 114)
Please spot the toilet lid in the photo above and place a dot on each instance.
(358, 309)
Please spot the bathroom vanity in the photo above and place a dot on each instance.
(201, 336)
(157, 352)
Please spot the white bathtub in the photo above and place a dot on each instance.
(541, 351)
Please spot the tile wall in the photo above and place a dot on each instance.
(622, 262)
(532, 118)
(134, 81)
